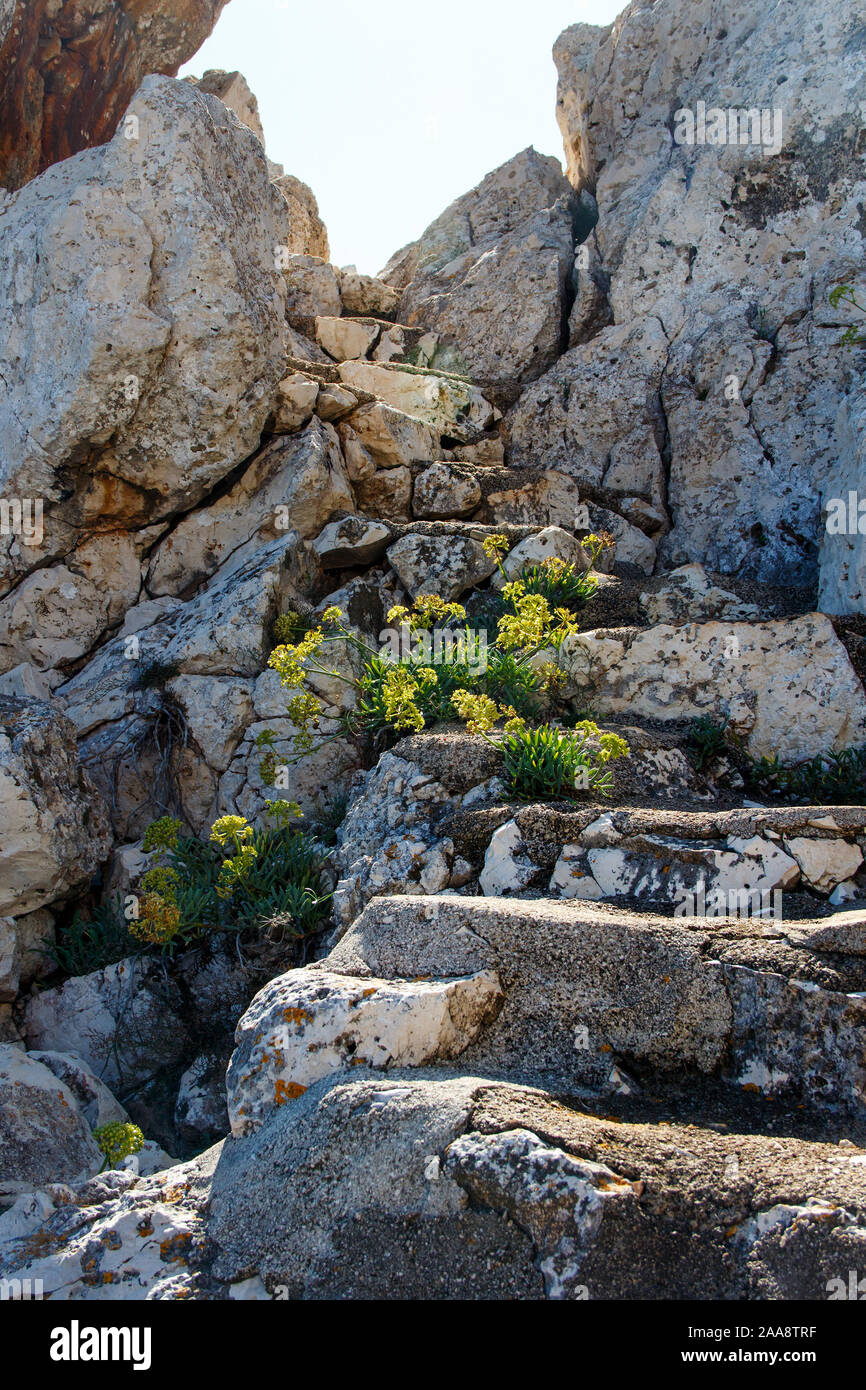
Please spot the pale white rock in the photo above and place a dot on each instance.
(572, 877)
(825, 864)
(689, 596)
(786, 686)
(152, 261)
(217, 711)
(314, 782)
(551, 500)
(295, 404)
(57, 614)
(551, 543)
(595, 416)
(658, 868)
(93, 1098)
(124, 1022)
(346, 339)
(200, 1112)
(360, 464)
(695, 236)
(365, 294)
(444, 491)
(25, 682)
(515, 228)
(55, 823)
(448, 405)
(44, 1137)
(335, 403)
(352, 541)
(445, 565)
(846, 893)
(392, 438)
(296, 483)
(235, 92)
(147, 613)
(312, 289)
(507, 868)
(311, 1022)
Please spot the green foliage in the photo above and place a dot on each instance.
(557, 764)
(237, 883)
(91, 943)
(117, 1141)
(562, 584)
(853, 336)
(155, 675)
(708, 740)
(831, 779)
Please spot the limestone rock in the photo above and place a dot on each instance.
(44, 1138)
(233, 90)
(695, 218)
(125, 1022)
(449, 405)
(393, 439)
(786, 686)
(688, 596)
(296, 483)
(825, 864)
(443, 491)
(312, 289)
(445, 565)
(55, 823)
(352, 541)
(309, 1023)
(842, 560)
(514, 228)
(346, 339)
(295, 402)
(94, 1100)
(171, 354)
(364, 294)
(308, 235)
(386, 494)
(201, 1114)
(68, 71)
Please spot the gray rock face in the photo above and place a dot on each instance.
(44, 1137)
(145, 337)
(55, 823)
(696, 240)
(515, 228)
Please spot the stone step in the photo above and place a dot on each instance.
(574, 997)
(466, 1187)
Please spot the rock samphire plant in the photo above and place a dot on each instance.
(445, 668)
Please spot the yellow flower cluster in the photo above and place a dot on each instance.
(479, 713)
(496, 547)
(427, 610)
(158, 921)
(400, 691)
(533, 624)
(162, 834)
(288, 661)
(117, 1141)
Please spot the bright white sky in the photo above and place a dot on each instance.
(390, 109)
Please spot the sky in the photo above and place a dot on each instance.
(390, 109)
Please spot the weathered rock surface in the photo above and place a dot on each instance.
(310, 1023)
(171, 355)
(446, 565)
(694, 232)
(44, 1137)
(458, 280)
(786, 686)
(55, 824)
(69, 70)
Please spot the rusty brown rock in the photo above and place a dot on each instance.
(68, 73)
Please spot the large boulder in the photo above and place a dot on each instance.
(460, 279)
(786, 687)
(69, 68)
(145, 336)
(697, 215)
(55, 823)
